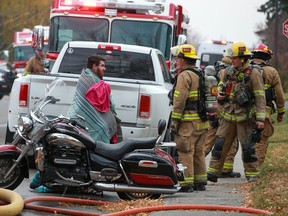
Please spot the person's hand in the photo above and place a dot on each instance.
(260, 124)
(175, 126)
(279, 117)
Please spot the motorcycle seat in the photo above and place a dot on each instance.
(117, 151)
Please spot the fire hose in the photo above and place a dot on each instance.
(14, 204)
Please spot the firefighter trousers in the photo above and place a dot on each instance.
(190, 146)
(261, 147)
(209, 143)
(226, 134)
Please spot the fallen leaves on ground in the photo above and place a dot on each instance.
(123, 205)
(270, 191)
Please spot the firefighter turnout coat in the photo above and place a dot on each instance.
(245, 103)
(234, 112)
(274, 94)
(190, 130)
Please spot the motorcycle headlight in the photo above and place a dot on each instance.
(24, 124)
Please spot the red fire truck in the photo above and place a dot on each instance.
(22, 49)
(152, 23)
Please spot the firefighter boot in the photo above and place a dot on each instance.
(230, 175)
(251, 179)
(212, 177)
(187, 189)
(199, 186)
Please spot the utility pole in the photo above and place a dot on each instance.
(276, 35)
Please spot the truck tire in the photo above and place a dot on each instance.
(9, 135)
(1, 96)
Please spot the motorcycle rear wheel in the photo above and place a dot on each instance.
(136, 196)
(15, 178)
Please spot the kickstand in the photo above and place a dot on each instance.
(65, 190)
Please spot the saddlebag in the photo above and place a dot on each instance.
(146, 168)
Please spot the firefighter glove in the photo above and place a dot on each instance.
(256, 135)
(279, 117)
(214, 120)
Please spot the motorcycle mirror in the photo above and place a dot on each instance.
(161, 126)
(38, 38)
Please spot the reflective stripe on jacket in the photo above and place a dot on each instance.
(272, 80)
(186, 89)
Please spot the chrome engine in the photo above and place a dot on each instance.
(65, 159)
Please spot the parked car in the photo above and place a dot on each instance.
(6, 79)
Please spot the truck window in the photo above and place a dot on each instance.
(164, 68)
(209, 59)
(64, 29)
(143, 33)
(119, 64)
(24, 53)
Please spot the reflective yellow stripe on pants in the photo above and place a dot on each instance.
(201, 178)
(187, 181)
(251, 174)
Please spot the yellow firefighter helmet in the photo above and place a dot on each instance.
(187, 51)
(238, 49)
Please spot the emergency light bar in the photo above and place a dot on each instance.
(113, 4)
(109, 47)
(22, 37)
(222, 42)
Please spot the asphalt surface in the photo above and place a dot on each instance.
(225, 192)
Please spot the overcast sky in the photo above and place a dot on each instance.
(233, 20)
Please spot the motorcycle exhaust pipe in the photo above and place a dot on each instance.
(130, 188)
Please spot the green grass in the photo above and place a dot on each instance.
(286, 96)
(280, 129)
(270, 192)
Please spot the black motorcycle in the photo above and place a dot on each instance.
(68, 158)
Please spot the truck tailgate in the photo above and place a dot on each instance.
(126, 99)
(64, 93)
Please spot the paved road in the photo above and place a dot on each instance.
(225, 192)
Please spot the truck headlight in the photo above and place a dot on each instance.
(24, 124)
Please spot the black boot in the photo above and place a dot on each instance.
(186, 189)
(230, 175)
(211, 177)
(199, 186)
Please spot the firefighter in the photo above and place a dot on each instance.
(227, 171)
(36, 63)
(189, 119)
(241, 90)
(274, 94)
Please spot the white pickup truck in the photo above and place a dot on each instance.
(139, 79)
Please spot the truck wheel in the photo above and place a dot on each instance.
(15, 178)
(136, 196)
(1, 96)
(9, 135)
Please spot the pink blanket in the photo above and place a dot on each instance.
(99, 96)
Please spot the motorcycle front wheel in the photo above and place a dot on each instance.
(136, 196)
(15, 178)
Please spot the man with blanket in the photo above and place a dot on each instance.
(92, 100)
